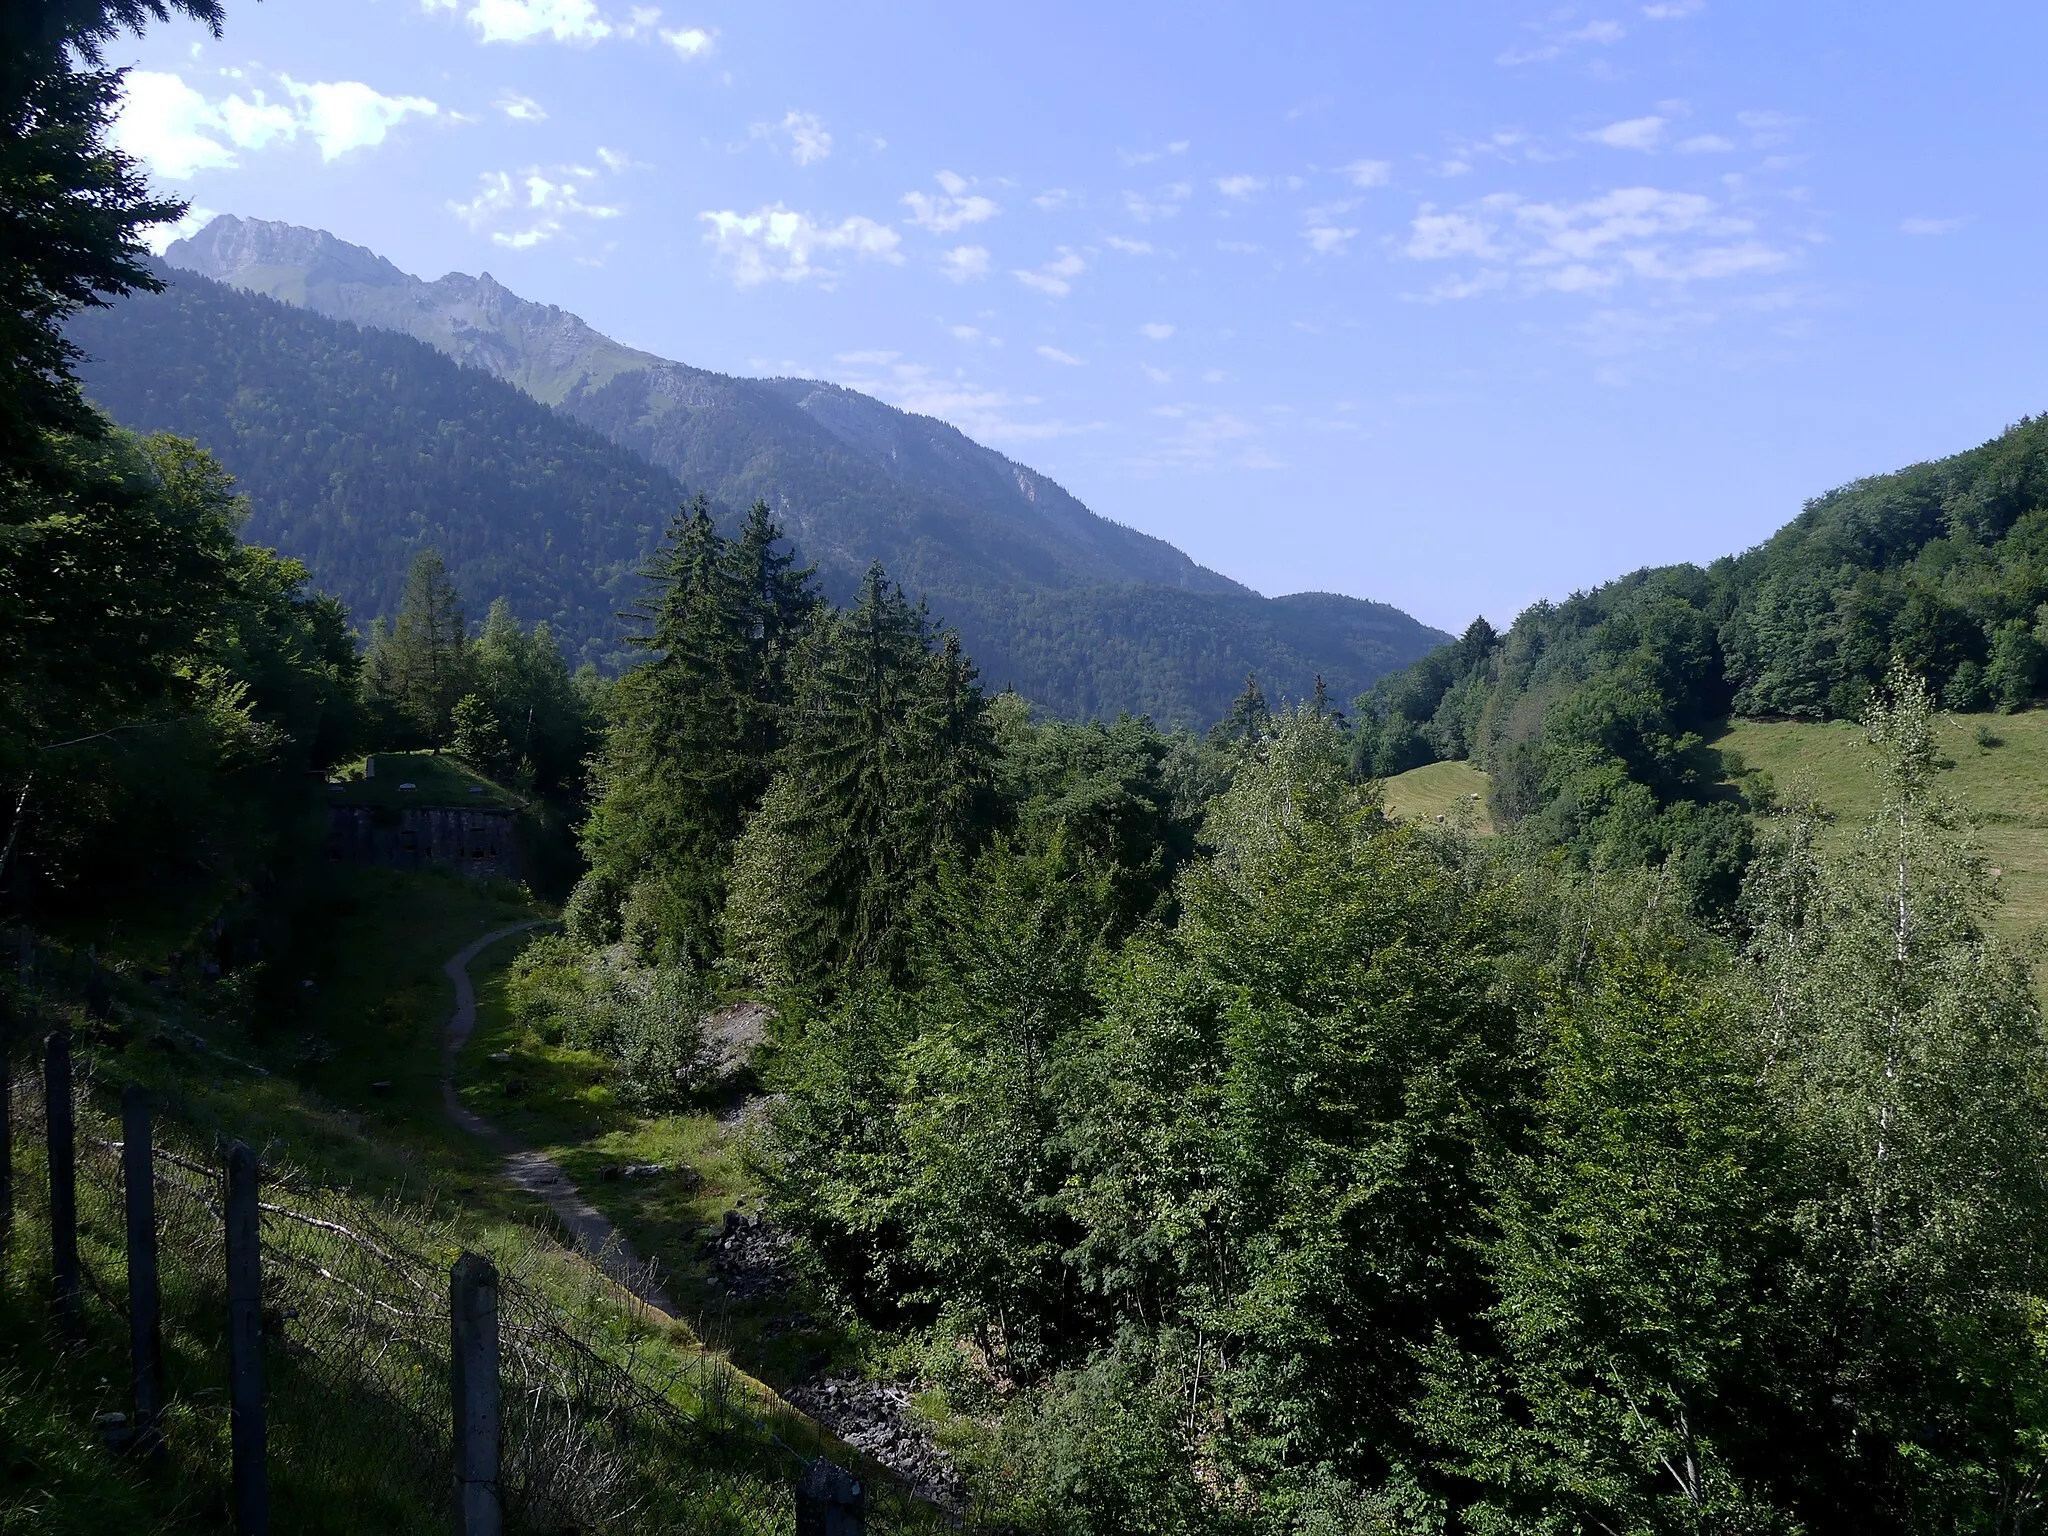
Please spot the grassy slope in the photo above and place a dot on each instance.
(2004, 788)
(1439, 789)
(353, 1097)
(558, 1099)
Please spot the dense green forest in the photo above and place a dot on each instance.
(359, 447)
(1214, 1153)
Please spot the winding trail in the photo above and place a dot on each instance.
(535, 1172)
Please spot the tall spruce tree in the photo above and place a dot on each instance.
(693, 731)
(888, 768)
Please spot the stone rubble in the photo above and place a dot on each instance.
(876, 1419)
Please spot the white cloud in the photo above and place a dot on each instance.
(1600, 33)
(1055, 355)
(1644, 133)
(615, 160)
(342, 115)
(1672, 10)
(778, 244)
(809, 142)
(965, 332)
(1163, 203)
(1929, 226)
(880, 358)
(1366, 173)
(1129, 158)
(531, 207)
(1630, 234)
(1129, 247)
(1156, 375)
(689, 42)
(521, 109)
(523, 21)
(964, 262)
(180, 133)
(954, 209)
(1156, 330)
(1327, 239)
(1054, 197)
(1053, 277)
(1705, 144)
(1240, 186)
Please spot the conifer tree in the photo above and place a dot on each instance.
(694, 730)
(417, 670)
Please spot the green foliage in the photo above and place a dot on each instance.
(647, 1020)
(416, 671)
(693, 733)
(887, 770)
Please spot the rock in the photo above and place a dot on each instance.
(876, 1419)
(382, 1086)
(500, 1057)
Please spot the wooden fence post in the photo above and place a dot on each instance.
(145, 1307)
(830, 1501)
(63, 1183)
(245, 1347)
(6, 1135)
(473, 1376)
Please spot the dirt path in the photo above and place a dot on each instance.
(533, 1171)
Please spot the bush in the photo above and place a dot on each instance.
(649, 1020)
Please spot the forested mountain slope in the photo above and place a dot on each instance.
(1588, 712)
(359, 446)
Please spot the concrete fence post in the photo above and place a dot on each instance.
(246, 1431)
(63, 1184)
(473, 1378)
(145, 1306)
(830, 1501)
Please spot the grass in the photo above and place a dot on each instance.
(1996, 768)
(559, 1099)
(435, 780)
(328, 1058)
(1447, 790)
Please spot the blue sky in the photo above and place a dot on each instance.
(1453, 306)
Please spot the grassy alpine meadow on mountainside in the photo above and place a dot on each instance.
(1453, 793)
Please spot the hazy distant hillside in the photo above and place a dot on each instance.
(359, 446)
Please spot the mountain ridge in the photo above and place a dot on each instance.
(659, 407)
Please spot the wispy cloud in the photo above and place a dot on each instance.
(1632, 234)
(531, 207)
(1367, 173)
(964, 262)
(1161, 203)
(1674, 10)
(1054, 278)
(779, 244)
(802, 135)
(1554, 43)
(688, 42)
(989, 414)
(179, 132)
(1705, 144)
(521, 109)
(1055, 355)
(1240, 187)
(1129, 247)
(1129, 158)
(1328, 239)
(1929, 226)
(1642, 133)
(1155, 330)
(954, 209)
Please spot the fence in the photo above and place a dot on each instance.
(362, 1344)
